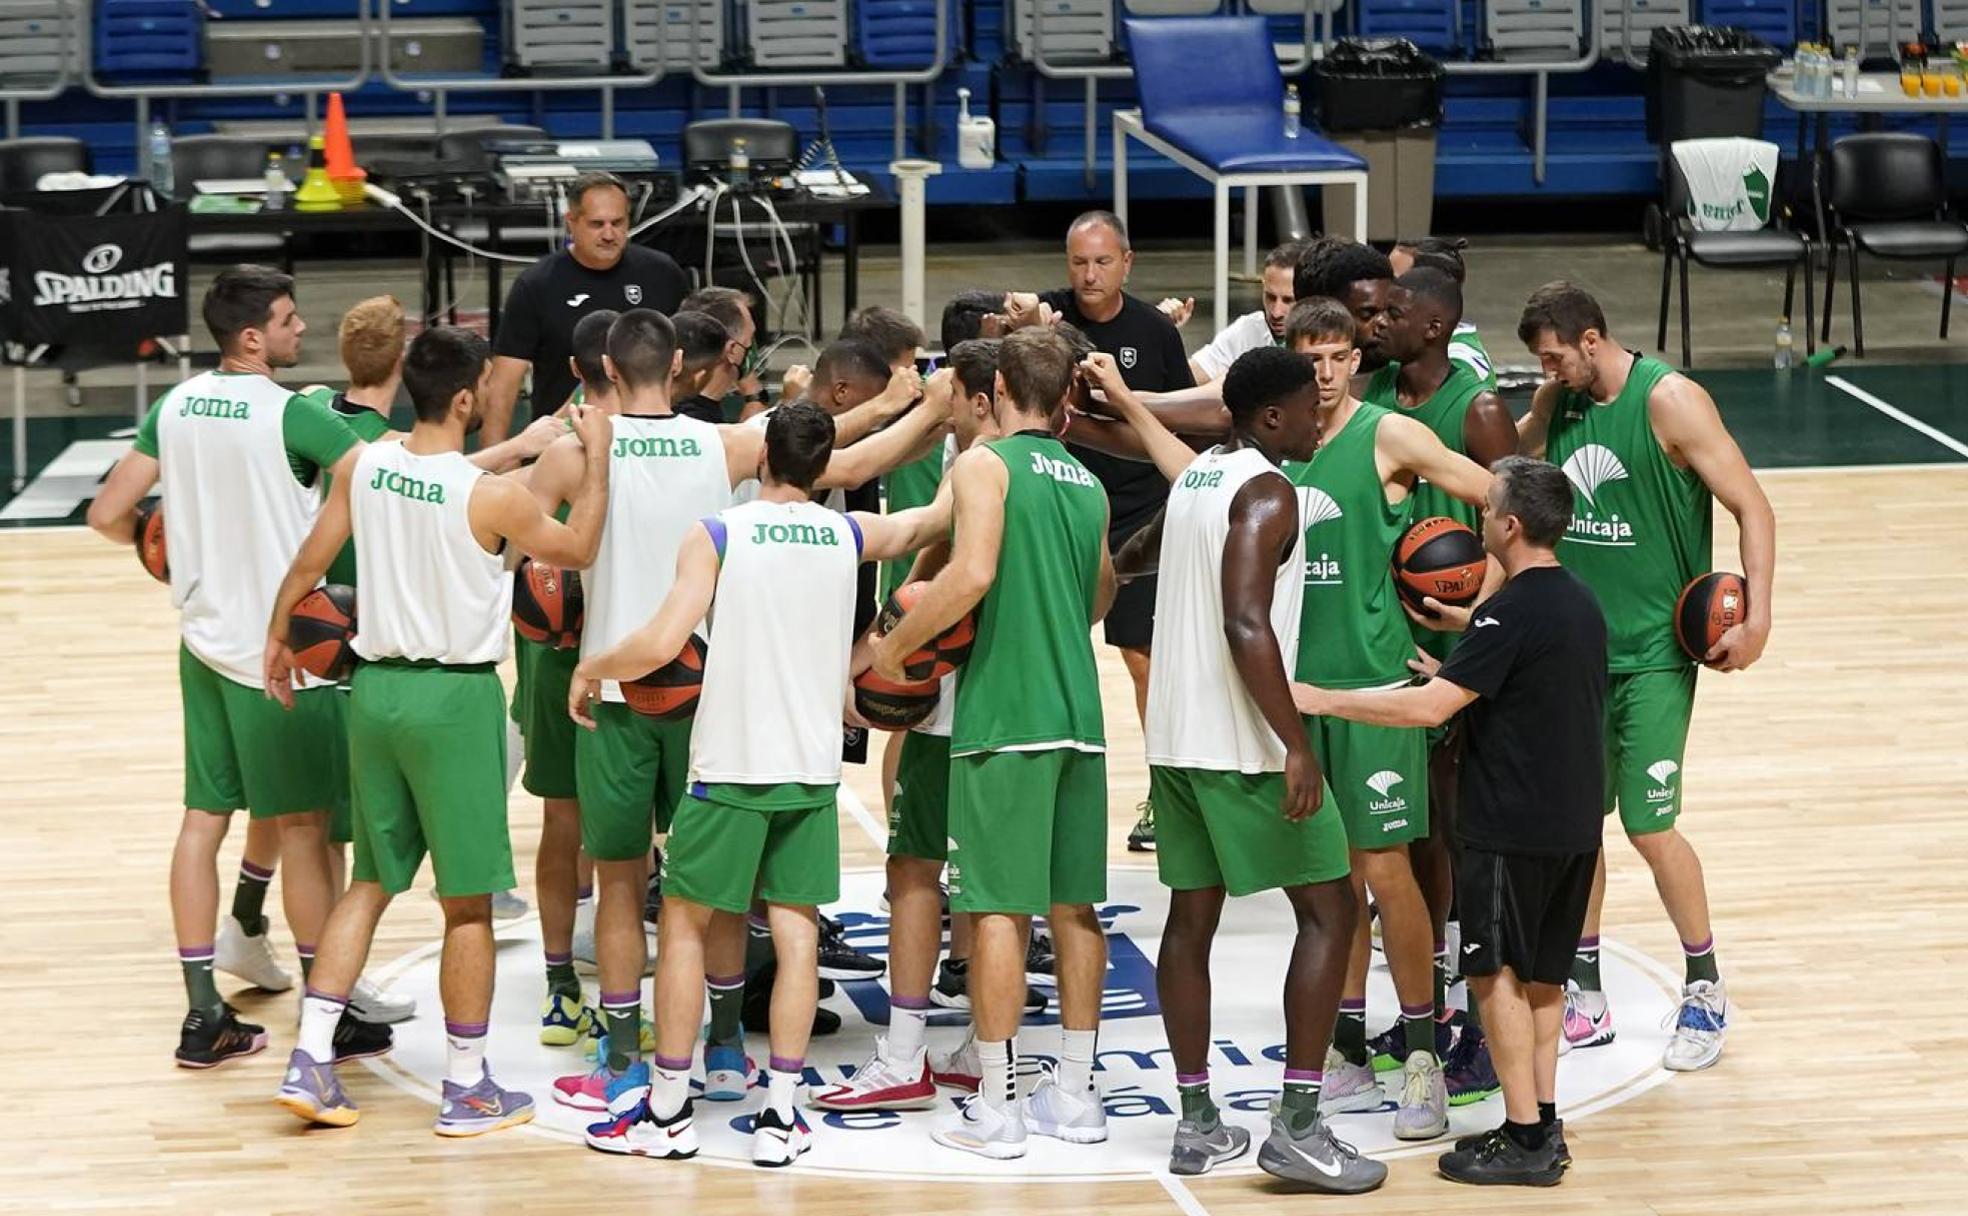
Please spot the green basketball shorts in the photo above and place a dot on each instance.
(720, 855)
(1224, 829)
(243, 750)
(540, 708)
(1378, 776)
(919, 813)
(631, 771)
(1027, 830)
(1647, 716)
(427, 761)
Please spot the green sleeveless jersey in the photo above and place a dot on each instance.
(369, 426)
(1641, 527)
(1030, 682)
(1466, 348)
(1352, 632)
(904, 488)
(1443, 414)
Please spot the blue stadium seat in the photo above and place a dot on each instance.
(1429, 24)
(150, 38)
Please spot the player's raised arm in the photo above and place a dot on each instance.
(505, 509)
(979, 482)
(1170, 454)
(1412, 447)
(1535, 425)
(1141, 555)
(908, 439)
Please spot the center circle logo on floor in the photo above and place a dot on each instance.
(1134, 1070)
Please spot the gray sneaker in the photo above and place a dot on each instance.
(1196, 1150)
(1423, 1112)
(481, 1108)
(1317, 1160)
(311, 1090)
(1348, 1087)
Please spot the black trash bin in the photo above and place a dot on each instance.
(1382, 99)
(1706, 82)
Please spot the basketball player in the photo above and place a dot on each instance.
(426, 740)
(737, 357)
(1028, 781)
(1253, 330)
(1238, 792)
(668, 471)
(1648, 453)
(1445, 254)
(229, 446)
(1357, 503)
(1424, 381)
(1358, 276)
(764, 766)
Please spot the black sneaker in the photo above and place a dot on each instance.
(652, 899)
(952, 988)
(356, 1039)
(1039, 962)
(756, 1012)
(1497, 1160)
(205, 1041)
(1141, 838)
(1553, 1135)
(840, 961)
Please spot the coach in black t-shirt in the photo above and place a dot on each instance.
(1149, 351)
(600, 268)
(1531, 670)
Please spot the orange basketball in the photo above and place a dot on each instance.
(547, 604)
(670, 692)
(1708, 608)
(150, 540)
(1442, 558)
(322, 633)
(891, 706)
(942, 654)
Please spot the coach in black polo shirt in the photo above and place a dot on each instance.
(1531, 670)
(600, 268)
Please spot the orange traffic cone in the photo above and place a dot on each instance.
(342, 171)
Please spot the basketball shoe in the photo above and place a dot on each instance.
(1554, 1135)
(882, 1084)
(356, 1039)
(205, 1041)
(474, 1110)
(1051, 1110)
(777, 1141)
(637, 1131)
(952, 987)
(1196, 1151)
(509, 905)
(1040, 963)
(585, 1090)
(1423, 1111)
(1498, 1160)
(1141, 837)
(1470, 1072)
(997, 1132)
(1389, 1049)
(379, 1005)
(311, 1090)
(249, 956)
(565, 1020)
(1588, 1020)
(840, 961)
(1348, 1087)
(1316, 1159)
(728, 1073)
(959, 1069)
(1699, 1025)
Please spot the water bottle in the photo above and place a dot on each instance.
(276, 183)
(1785, 347)
(741, 163)
(1851, 71)
(1291, 111)
(160, 158)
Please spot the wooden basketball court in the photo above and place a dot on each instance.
(1827, 792)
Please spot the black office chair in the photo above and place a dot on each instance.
(1887, 195)
(468, 147)
(207, 158)
(1774, 244)
(23, 161)
(769, 144)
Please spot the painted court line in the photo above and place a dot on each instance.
(1898, 415)
(858, 811)
(1184, 1198)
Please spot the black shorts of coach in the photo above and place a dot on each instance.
(1522, 911)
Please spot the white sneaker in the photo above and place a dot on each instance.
(509, 905)
(1423, 1112)
(960, 1069)
(235, 952)
(378, 1006)
(1348, 1087)
(882, 1084)
(777, 1141)
(987, 1130)
(584, 937)
(1075, 1118)
(1699, 1026)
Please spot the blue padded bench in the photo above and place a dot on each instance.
(1212, 101)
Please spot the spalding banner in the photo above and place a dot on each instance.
(102, 281)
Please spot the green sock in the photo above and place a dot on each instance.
(1300, 1106)
(1585, 964)
(249, 898)
(758, 945)
(1350, 1032)
(1418, 1030)
(1197, 1107)
(201, 989)
(306, 955)
(1701, 961)
(727, 1010)
(1441, 978)
(561, 980)
(624, 1024)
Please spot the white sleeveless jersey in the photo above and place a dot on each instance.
(664, 474)
(425, 588)
(748, 489)
(1199, 714)
(235, 515)
(782, 631)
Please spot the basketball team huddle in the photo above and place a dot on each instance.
(1396, 653)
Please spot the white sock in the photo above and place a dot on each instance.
(905, 1033)
(780, 1086)
(1076, 1060)
(669, 1089)
(464, 1052)
(1000, 1085)
(319, 1016)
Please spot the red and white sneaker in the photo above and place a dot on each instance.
(585, 1090)
(882, 1084)
(959, 1069)
(1582, 1026)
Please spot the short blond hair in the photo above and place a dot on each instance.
(372, 340)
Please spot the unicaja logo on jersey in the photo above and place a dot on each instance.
(1662, 772)
(1317, 507)
(1588, 469)
(1382, 784)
